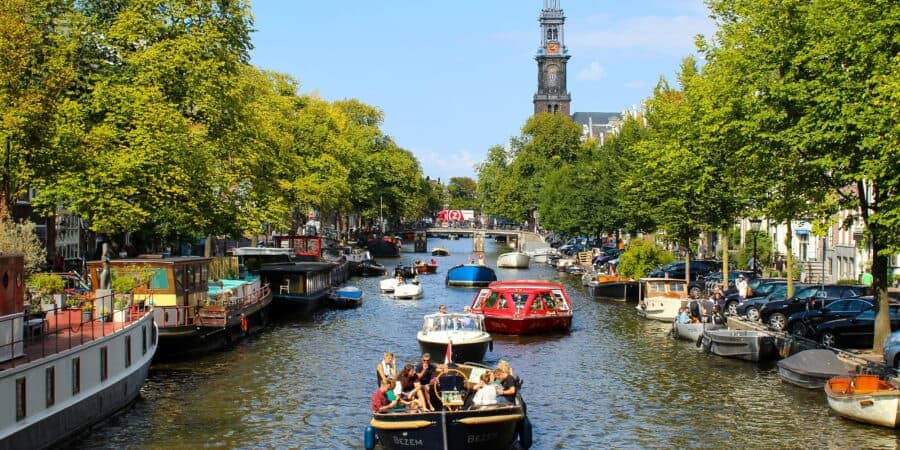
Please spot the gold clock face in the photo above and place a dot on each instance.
(552, 48)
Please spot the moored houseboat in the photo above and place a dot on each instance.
(384, 247)
(612, 287)
(301, 287)
(61, 374)
(193, 313)
(524, 307)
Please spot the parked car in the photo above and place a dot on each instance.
(606, 256)
(891, 350)
(775, 313)
(706, 284)
(854, 332)
(804, 323)
(699, 268)
(777, 291)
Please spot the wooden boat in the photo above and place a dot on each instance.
(384, 247)
(454, 426)
(194, 314)
(470, 275)
(62, 374)
(864, 398)
(440, 251)
(426, 268)
(662, 298)
(524, 307)
(613, 287)
(465, 332)
(513, 260)
(347, 297)
(750, 345)
(301, 287)
(692, 331)
(811, 369)
(408, 290)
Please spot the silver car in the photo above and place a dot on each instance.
(892, 350)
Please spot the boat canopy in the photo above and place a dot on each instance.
(453, 322)
(521, 299)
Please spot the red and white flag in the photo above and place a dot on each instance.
(448, 355)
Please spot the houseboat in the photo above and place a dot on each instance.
(384, 247)
(612, 287)
(302, 287)
(61, 374)
(470, 275)
(524, 307)
(194, 314)
(662, 298)
(310, 249)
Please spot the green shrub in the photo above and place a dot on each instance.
(45, 285)
(847, 282)
(123, 284)
(640, 257)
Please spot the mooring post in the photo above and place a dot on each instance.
(421, 242)
(478, 241)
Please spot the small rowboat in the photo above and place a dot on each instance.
(864, 398)
(347, 297)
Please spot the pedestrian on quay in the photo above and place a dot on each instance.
(743, 288)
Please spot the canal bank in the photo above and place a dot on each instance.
(614, 381)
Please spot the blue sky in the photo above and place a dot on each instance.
(456, 77)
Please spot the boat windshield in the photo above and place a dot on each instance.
(453, 322)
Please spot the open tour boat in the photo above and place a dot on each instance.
(524, 307)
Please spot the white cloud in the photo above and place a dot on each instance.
(671, 35)
(592, 72)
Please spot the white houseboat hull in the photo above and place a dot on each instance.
(661, 308)
(513, 260)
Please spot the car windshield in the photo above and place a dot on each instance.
(779, 293)
(807, 293)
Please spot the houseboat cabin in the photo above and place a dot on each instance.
(524, 307)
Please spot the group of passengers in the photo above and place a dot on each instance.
(710, 310)
(410, 389)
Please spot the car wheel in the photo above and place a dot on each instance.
(801, 330)
(777, 321)
(753, 314)
(696, 292)
(828, 339)
(731, 308)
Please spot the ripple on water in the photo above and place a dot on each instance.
(615, 381)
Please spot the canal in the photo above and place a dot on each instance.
(614, 381)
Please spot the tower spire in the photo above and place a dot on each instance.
(552, 57)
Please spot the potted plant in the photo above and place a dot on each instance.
(87, 311)
(122, 286)
(43, 287)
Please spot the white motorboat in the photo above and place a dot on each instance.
(864, 398)
(408, 291)
(465, 333)
(388, 285)
(513, 260)
(663, 298)
(692, 331)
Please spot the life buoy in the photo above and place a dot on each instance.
(244, 323)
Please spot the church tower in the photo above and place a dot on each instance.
(552, 57)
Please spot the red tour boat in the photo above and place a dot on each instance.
(524, 307)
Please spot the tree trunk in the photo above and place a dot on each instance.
(207, 247)
(724, 259)
(789, 259)
(879, 287)
(687, 264)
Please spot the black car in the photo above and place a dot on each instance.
(854, 332)
(804, 323)
(775, 314)
(699, 268)
(764, 293)
(710, 281)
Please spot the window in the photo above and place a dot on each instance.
(76, 375)
(491, 300)
(104, 363)
(50, 385)
(856, 305)
(160, 279)
(20, 399)
(144, 340)
(127, 351)
(548, 301)
(153, 333)
(179, 280)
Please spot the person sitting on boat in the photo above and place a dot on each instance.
(504, 364)
(415, 279)
(706, 309)
(442, 309)
(410, 391)
(424, 373)
(433, 262)
(717, 317)
(684, 316)
(417, 262)
(380, 402)
(485, 392)
(506, 395)
(467, 322)
(695, 310)
(386, 368)
(480, 260)
(471, 260)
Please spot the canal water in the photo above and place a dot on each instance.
(614, 381)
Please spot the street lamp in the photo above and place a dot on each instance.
(754, 225)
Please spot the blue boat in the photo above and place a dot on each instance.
(470, 275)
(347, 297)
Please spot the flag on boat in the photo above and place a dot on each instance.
(448, 355)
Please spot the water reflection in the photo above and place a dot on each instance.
(614, 381)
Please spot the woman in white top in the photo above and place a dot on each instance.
(487, 392)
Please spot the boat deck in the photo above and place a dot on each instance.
(61, 331)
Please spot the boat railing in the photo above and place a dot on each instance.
(453, 322)
(53, 329)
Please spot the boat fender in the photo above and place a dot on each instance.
(369, 438)
(700, 340)
(525, 433)
(244, 326)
